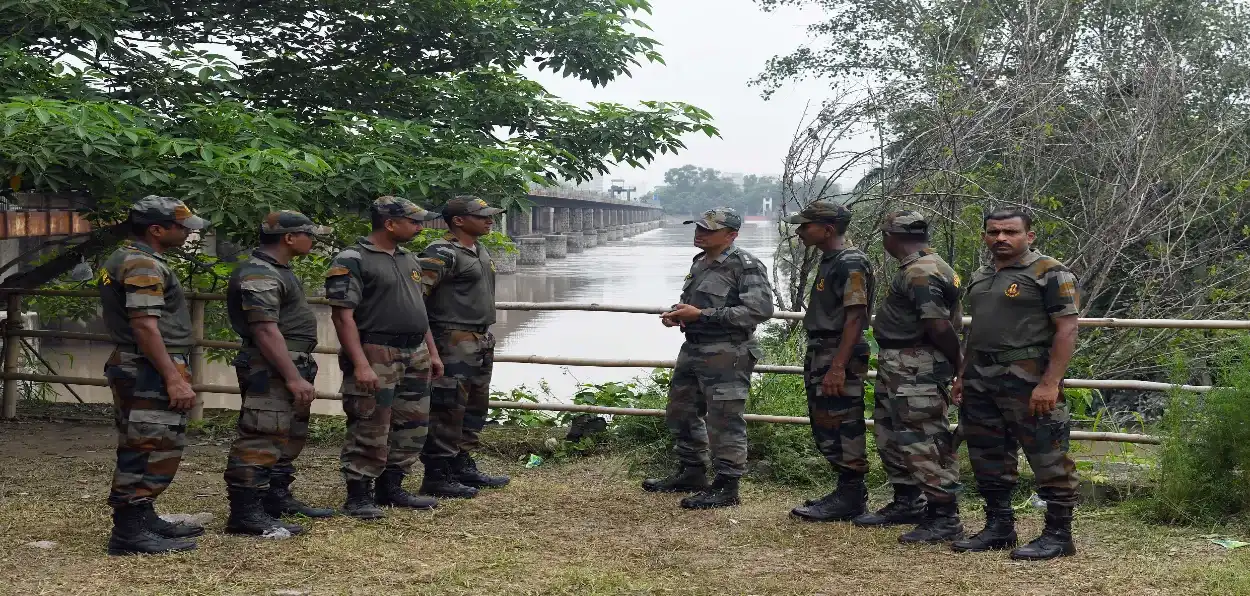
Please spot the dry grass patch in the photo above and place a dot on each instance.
(579, 528)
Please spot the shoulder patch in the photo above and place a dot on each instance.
(259, 283)
(349, 253)
(336, 271)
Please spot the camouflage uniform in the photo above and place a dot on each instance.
(272, 430)
(912, 429)
(713, 375)
(386, 429)
(138, 282)
(1008, 350)
(459, 286)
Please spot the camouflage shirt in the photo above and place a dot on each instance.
(732, 290)
(138, 282)
(843, 279)
(264, 290)
(459, 283)
(925, 287)
(1014, 307)
(383, 289)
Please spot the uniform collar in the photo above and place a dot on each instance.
(912, 258)
(142, 246)
(268, 258)
(729, 252)
(368, 245)
(458, 244)
(1028, 258)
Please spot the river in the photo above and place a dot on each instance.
(647, 269)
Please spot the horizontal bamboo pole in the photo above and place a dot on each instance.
(1077, 435)
(655, 310)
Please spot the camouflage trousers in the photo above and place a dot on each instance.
(913, 433)
(996, 423)
(150, 436)
(272, 431)
(386, 429)
(838, 424)
(706, 402)
(460, 400)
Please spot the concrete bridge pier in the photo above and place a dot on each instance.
(533, 250)
(544, 220)
(577, 243)
(520, 225)
(557, 246)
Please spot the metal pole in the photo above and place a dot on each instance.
(198, 361)
(12, 350)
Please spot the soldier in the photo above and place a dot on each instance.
(725, 296)
(916, 329)
(388, 358)
(145, 311)
(276, 370)
(1024, 328)
(836, 362)
(459, 286)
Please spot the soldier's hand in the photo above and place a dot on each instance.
(436, 367)
(181, 396)
(1044, 399)
(684, 313)
(957, 391)
(302, 391)
(366, 379)
(834, 381)
(668, 322)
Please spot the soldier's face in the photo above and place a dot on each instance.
(403, 229)
(301, 243)
(1007, 238)
(172, 237)
(814, 234)
(713, 239)
(475, 225)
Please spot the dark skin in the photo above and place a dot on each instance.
(266, 335)
(148, 336)
(825, 236)
(940, 332)
(1008, 240)
(394, 231)
(713, 243)
(468, 228)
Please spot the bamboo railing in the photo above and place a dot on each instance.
(11, 375)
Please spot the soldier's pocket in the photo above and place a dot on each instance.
(922, 403)
(748, 358)
(716, 290)
(154, 429)
(266, 414)
(360, 406)
(1053, 428)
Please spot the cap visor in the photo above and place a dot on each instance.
(489, 211)
(322, 230)
(424, 216)
(194, 222)
(705, 225)
(797, 219)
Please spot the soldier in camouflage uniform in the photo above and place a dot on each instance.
(1024, 328)
(388, 358)
(916, 328)
(145, 311)
(725, 296)
(459, 286)
(276, 370)
(836, 362)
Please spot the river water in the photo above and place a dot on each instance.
(645, 270)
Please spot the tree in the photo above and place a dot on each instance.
(691, 190)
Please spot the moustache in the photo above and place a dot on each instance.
(1001, 244)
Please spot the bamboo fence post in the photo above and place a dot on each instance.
(198, 361)
(12, 351)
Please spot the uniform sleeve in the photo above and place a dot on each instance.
(857, 275)
(143, 280)
(343, 279)
(756, 296)
(260, 293)
(437, 262)
(927, 291)
(1059, 292)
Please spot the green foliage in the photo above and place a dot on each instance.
(690, 189)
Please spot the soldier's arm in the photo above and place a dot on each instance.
(1062, 303)
(437, 264)
(756, 296)
(855, 299)
(261, 299)
(144, 285)
(343, 288)
(927, 292)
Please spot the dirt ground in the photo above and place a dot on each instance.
(574, 528)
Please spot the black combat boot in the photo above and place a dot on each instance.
(687, 479)
(156, 525)
(467, 473)
(941, 524)
(1000, 526)
(1056, 538)
(440, 481)
(248, 517)
(907, 508)
(278, 500)
(722, 493)
(391, 493)
(131, 537)
(359, 503)
(846, 503)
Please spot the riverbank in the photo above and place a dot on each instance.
(577, 527)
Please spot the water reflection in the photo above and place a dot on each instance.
(646, 269)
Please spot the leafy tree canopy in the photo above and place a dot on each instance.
(691, 190)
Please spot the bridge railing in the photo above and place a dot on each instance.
(13, 329)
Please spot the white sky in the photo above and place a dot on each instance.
(713, 49)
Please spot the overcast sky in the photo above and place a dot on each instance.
(713, 49)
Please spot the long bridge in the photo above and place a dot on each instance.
(564, 221)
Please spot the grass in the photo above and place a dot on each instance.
(580, 527)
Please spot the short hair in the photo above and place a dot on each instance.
(916, 236)
(378, 221)
(139, 230)
(841, 226)
(1004, 213)
(447, 220)
(271, 239)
